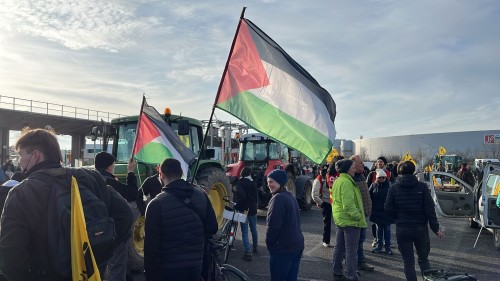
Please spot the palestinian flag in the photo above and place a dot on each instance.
(270, 92)
(156, 140)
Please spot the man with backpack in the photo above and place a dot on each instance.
(105, 165)
(178, 220)
(36, 221)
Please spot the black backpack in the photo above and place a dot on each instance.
(95, 201)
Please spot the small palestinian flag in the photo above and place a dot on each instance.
(270, 92)
(156, 140)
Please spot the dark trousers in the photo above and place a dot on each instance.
(285, 267)
(346, 245)
(361, 252)
(327, 221)
(407, 237)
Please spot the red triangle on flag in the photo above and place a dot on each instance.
(146, 132)
(245, 70)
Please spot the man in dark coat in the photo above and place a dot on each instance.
(24, 226)
(105, 165)
(178, 221)
(409, 203)
(247, 202)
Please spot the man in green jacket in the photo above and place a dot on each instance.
(349, 216)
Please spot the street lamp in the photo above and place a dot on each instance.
(421, 153)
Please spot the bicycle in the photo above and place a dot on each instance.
(221, 272)
(230, 227)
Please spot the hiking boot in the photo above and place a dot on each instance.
(377, 250)
(365, 267)
(389, 251)
(247, 257)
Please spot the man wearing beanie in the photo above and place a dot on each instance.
(349, 216)
(360, 181)
(284, 238)
(105, 165)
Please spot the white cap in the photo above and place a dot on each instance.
(380, 173)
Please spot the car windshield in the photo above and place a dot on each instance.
(258, 151)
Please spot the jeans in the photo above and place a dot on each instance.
(361, 253)
(327, 221)
(417, 235)
(117, 264)
(285, 267)
(252, 221)
(346, 244)
(383, 235)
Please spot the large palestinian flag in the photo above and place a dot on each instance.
(269, 91)
(155, 140)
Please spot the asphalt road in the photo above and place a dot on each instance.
(454, 253)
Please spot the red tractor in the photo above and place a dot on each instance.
(263, 155)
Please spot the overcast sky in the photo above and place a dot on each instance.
(392, 67)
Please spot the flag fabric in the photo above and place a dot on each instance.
(270, 92)
(408, 157)
(83, 264)
(156, 140)
(442, 151)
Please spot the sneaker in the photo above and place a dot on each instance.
(389, 251)
(363, 266)
(247, 257)
(374, 243)
(326, 245)
(377, 250)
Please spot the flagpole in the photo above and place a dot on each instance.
(218, 94)
(138, 124)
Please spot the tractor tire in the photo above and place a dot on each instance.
(303, 184)
(216, 184)
(290, 184)
(136, 243)
(136, 246)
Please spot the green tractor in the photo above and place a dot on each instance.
(210, 174)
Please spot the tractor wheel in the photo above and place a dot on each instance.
(290, 184)
(136, 244)
(216, 183)
(305, 200)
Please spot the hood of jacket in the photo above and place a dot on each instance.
(407, 181)
(180, 187)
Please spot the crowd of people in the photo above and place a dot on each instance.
(179, 217)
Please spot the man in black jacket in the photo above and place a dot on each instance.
(410, 204)
(178, 220)
(24, 226)
(247, 201)
(105, 165)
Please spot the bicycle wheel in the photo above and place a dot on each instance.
(230, 236)
(230, 273)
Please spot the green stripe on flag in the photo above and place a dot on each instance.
(277, 124)
(153, 153)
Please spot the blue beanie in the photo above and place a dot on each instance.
(279, 176)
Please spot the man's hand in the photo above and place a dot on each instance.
(132, 164)
(319, 205)
(440, 234)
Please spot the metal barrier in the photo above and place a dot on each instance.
(33, 106)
